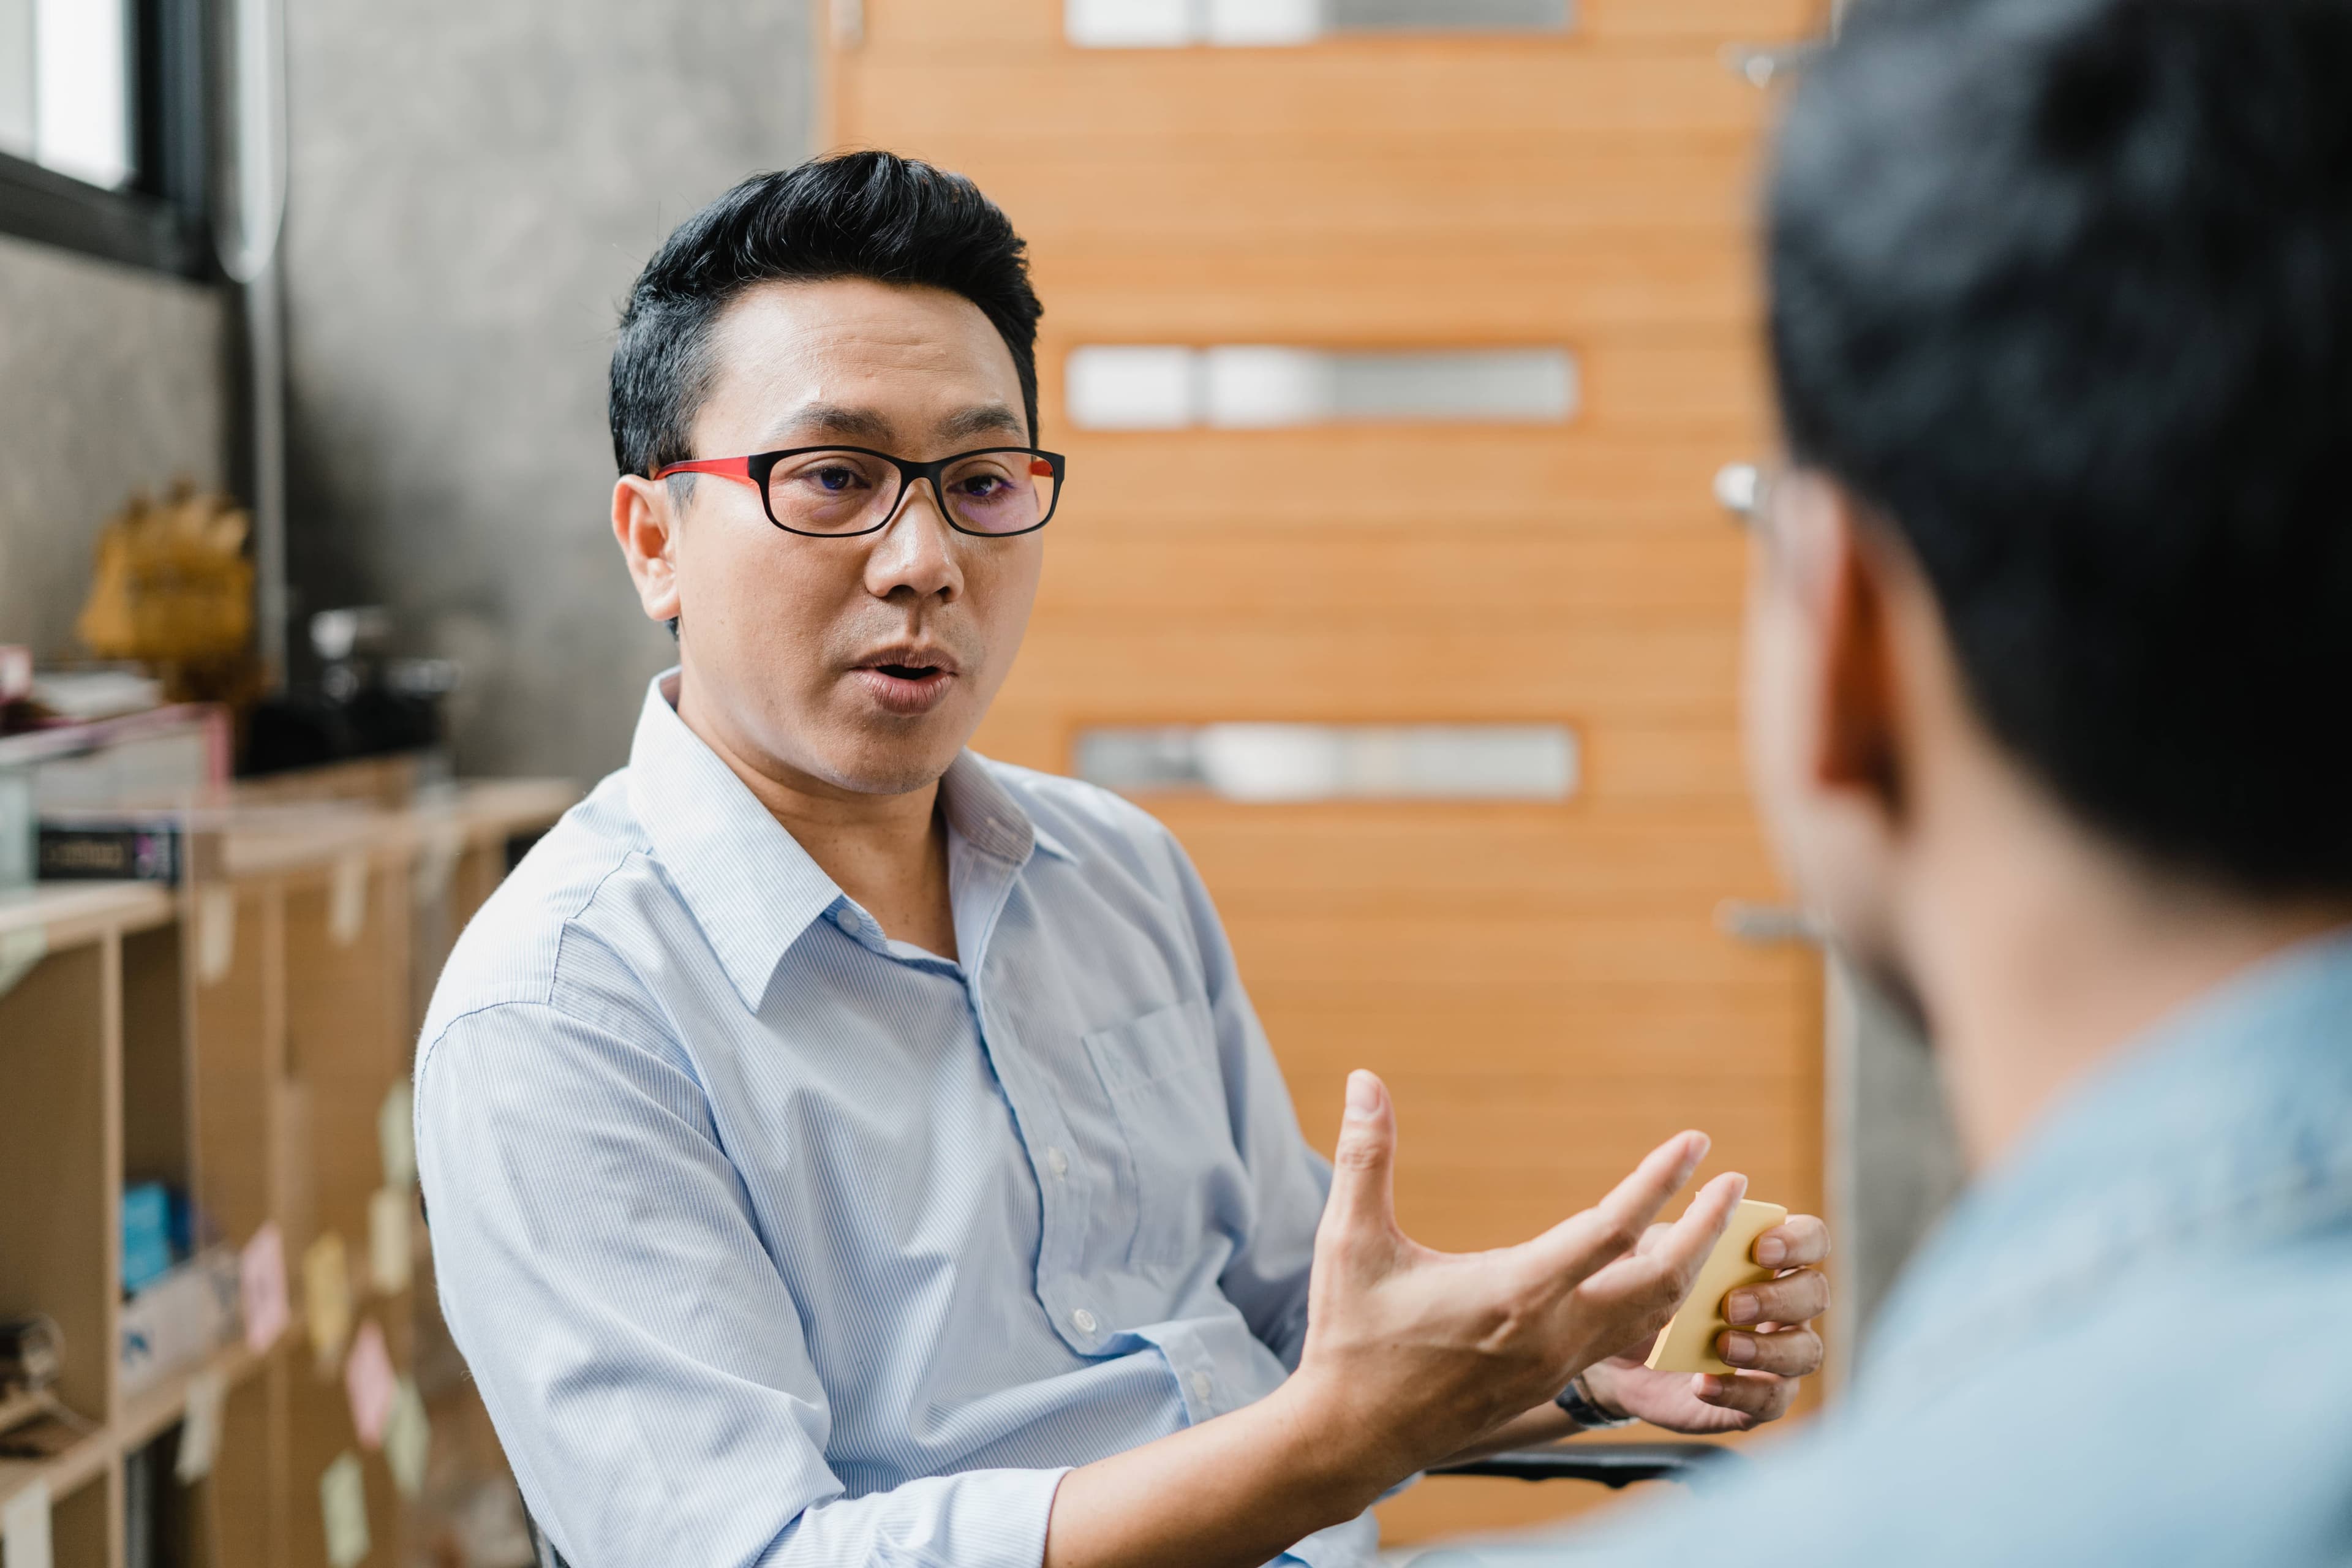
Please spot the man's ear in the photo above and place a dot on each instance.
(1860, 739)
(644, 523)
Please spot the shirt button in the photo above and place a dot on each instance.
(1058, 1162)
(1083, 1321)
(847, 919)
(1202, 1386)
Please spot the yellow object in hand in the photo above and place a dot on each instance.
(1689, 1341)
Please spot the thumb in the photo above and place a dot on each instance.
(1362, 1200)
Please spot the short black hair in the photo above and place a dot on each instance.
(2062, 290)
(858, 214)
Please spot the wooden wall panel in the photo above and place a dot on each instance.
(1545, 988)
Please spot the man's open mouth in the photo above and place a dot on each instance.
(908, 681)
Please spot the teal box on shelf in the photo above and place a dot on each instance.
(146, 1234)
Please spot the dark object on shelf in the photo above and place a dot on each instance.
(32, 1354)
(139, 849)
(520, 845)
(365, 705)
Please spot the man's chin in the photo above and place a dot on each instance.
(892, 756)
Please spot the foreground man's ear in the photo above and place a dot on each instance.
(1850, 565)
(644, 524)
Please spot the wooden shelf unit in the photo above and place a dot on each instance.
(235, 1038)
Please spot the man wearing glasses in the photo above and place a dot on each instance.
(842, 1149)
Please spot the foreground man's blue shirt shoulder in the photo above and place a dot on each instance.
(771, 1240)
(2126, 1347)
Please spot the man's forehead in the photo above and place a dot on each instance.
(857, 361)
(869, 425)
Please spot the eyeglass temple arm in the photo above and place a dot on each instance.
(737, 469)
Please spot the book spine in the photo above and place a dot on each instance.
(137, 854)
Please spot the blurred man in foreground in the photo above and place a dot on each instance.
(2049, 654)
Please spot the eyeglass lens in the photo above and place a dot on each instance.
(852, 492)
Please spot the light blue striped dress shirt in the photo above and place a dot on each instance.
(769, 1239)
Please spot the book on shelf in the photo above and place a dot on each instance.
(111, 847)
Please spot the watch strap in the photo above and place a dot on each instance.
(1585, 1412)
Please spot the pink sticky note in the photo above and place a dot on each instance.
(261, 1287)
(368, 1379)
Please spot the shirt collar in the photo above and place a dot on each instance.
(747, 881)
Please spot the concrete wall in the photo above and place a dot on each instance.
(473, 188)
(1896, 1161)
(112, 380)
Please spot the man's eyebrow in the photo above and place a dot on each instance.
(987, 419)
(822, 419)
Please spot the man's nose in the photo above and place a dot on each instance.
(916, 552)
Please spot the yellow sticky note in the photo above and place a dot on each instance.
(216, 932)
(347, 901)
(391, 1258)
(25, 1528)
(327, 1297)
(395, 1135)
(342, 1498)
(407, 1438)
(200, 1427)
(1689, 1341)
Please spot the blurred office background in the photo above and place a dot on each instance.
(1397, 346)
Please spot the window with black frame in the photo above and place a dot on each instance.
(102, 128)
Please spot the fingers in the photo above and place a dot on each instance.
(1792, 1299)
(1667, 1269)
(1758, 1395)
(1584, 1242)
(1791, 1352)
(1685, 1244)
(1801, 1239)
(1363, 1163)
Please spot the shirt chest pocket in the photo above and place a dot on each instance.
(1160, 1072)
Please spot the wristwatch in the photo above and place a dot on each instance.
(1585, 1412)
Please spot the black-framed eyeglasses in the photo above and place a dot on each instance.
(836, 492)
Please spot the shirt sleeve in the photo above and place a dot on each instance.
(639, 1353)
(1267, 1277)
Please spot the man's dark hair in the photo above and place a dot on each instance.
(859, 214)
(2063, 290)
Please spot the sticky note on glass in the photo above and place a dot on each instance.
(327, 1297)
(1688, 1343)
(25, 1528)
(347, 901)
(261, 1287)
(342, 1498)
(407, 1438)
(200, 1427)
(20, 950)
(391, 1258)
(396, 1133)
(216, 933)
(369, 1384)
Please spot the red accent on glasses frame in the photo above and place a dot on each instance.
(753, 470)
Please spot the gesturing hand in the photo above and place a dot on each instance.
(1414, 1352)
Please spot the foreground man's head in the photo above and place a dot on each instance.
(822, 322)
(2055, 603)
